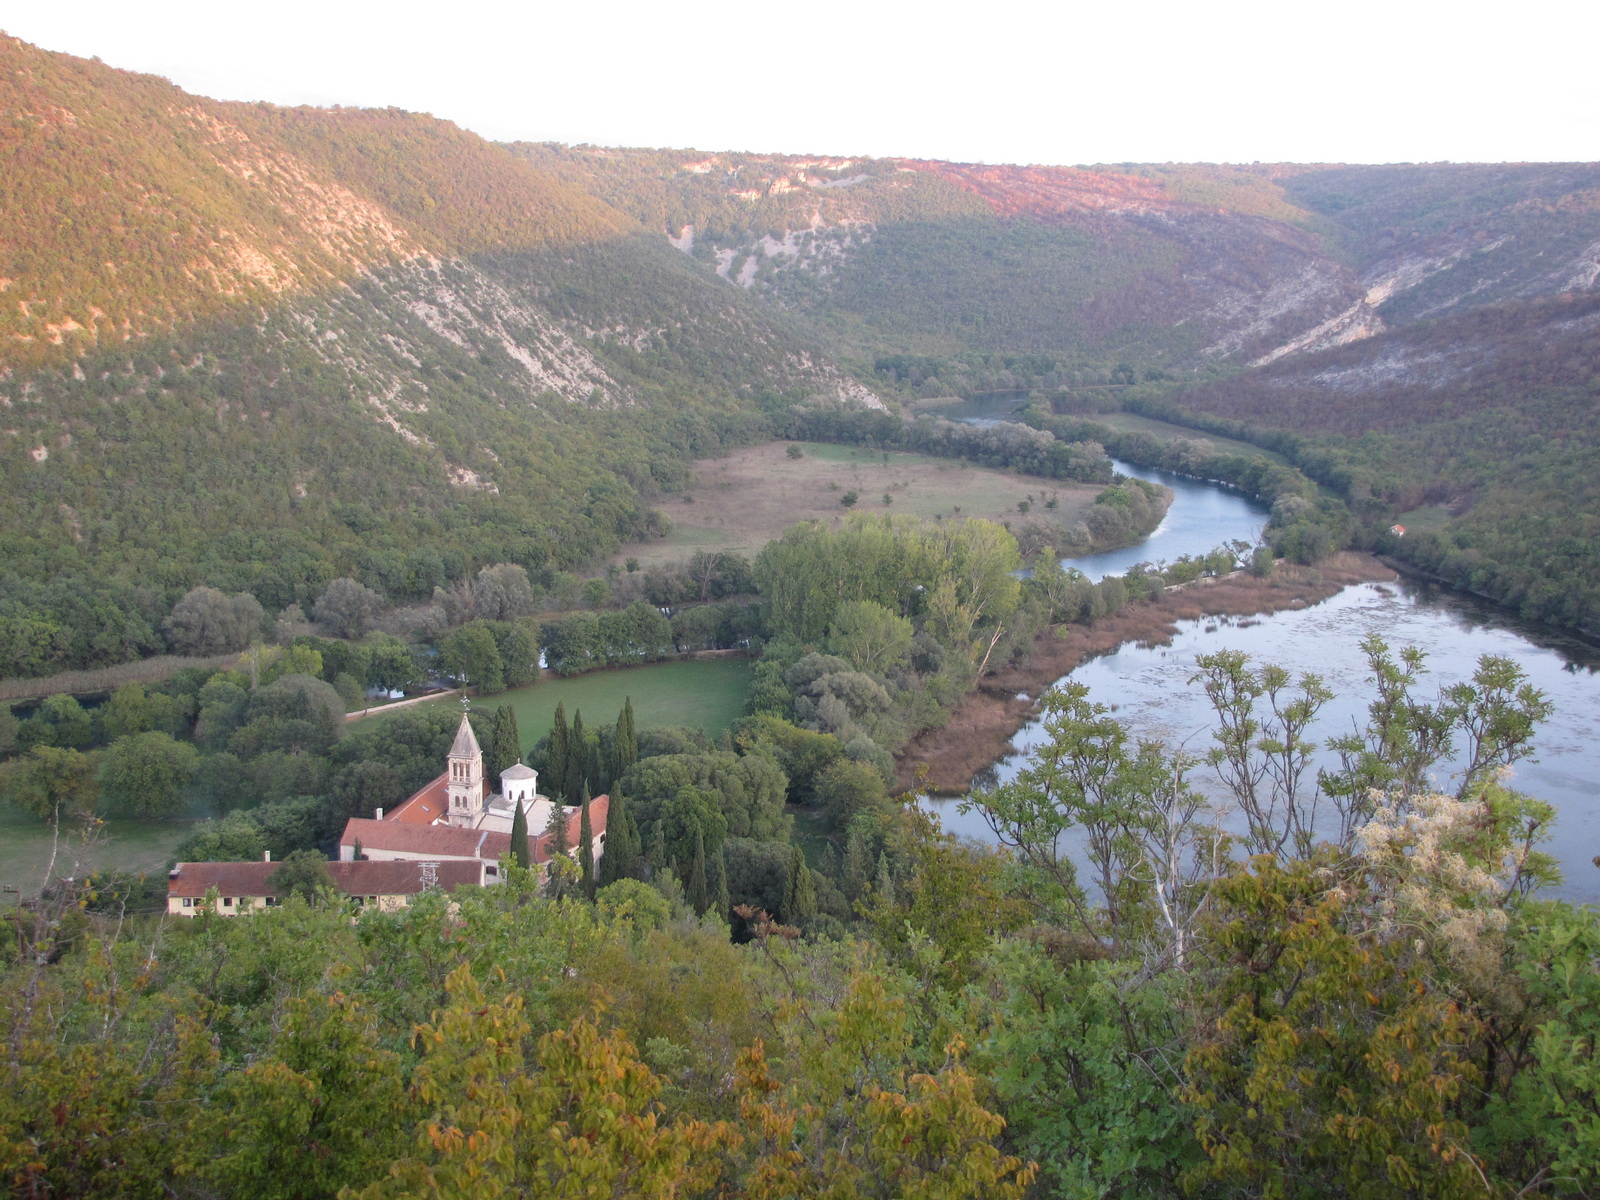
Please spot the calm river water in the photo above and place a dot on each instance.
(1148, 686)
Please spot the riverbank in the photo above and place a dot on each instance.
(980, 729)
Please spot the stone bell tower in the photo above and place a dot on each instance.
(466, 777)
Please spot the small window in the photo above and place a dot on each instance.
(271, 900)
(188, 902)
(492, 870)
(227, 902)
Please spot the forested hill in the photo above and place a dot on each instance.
(934, 258)
(1175, 266)
(260, 348)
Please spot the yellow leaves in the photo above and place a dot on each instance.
(583, 1123)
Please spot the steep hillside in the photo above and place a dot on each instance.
(257, 347)
(1176, 266)
(1155, 266)
(1487, 421)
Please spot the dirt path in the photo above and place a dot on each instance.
(982, 726)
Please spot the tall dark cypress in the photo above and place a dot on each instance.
(699, 893)
(505, 742)
(620, 859)
(555, 756)
(560, 835)
(800, 891)
(519, 839)
(717, 869)
(577, 759)
(586, 848)
(658, 850)
(626, 747)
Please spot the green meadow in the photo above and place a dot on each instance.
(706, 693)
(123, 844)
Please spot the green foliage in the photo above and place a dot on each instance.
(327, 1084)
(472, 656)
(721, 793)
(869, 636)
(520, 854)
(623, 848)
(59, 721)
(304, 873)
(132, 709)
(1367, 1105)
(890, 561)
(504, 747)
(585, 641)
(846, 789)
(50, 783)
(145, 774)
(1072, 1063)
(205, 621)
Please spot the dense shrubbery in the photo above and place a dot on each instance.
(1378, 1005)
(1033, 451)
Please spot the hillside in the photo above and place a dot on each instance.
(1487, 417)
(1178, 266)
(932, 258)
(260, 348)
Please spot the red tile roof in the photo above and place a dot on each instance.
(425, 805)
(448, 841)
(442, 841)
(402, 878)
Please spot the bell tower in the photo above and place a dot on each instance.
(465, 777)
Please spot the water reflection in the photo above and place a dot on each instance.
(1148, 688)
(1203, 516)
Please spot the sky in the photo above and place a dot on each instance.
(1106, 82)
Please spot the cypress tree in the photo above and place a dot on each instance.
(800, 892)
(555, 756)
(505, 741)
(720, 899)
(519, 839)
(586, 847)
(658, 849)
(560, 839)
(621, 857)
(857, 878)
(884, 886)
(626, 750)
(592, 776)
(699, 893)
(577, 759)
(830, 862)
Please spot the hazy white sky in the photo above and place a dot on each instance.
(1230, 80)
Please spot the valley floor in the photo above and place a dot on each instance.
(747, 499)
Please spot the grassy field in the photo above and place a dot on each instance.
(1427, 519)
(1164, 431)
(745, 500)
(124, 845)
(706, 693)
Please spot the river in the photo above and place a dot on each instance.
(1148, 686)
(1203, 516)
